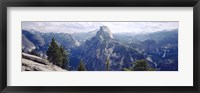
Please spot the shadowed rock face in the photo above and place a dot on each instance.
(34, 63)
(27, 45)
(102, 46)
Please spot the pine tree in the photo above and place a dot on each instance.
(53, 53)
(81, 66)
(58, 58)
(65, 59)
(142, 65)
(127, 69)
(107, 64)
(34, 52)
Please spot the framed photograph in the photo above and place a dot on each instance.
(100, 46)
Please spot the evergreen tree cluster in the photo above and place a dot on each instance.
(57, 54)
(140, 65)
(81, 66)
(34, 52)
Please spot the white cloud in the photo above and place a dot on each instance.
(115, 27)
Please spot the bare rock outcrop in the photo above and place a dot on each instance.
(34, 63)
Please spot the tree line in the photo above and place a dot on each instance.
(59, 56)
(140, 65)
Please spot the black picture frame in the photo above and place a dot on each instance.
(100, 3)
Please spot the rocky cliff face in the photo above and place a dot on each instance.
(27, 46)
(103, 46)
(34, 63)
(104, 33)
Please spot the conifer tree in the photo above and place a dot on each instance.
(34, 52)
(58, 58)
(107, 64)
(65, 59)
(142, 65)
(81, 66)
(53, 53)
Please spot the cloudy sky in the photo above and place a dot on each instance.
(115, 27)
